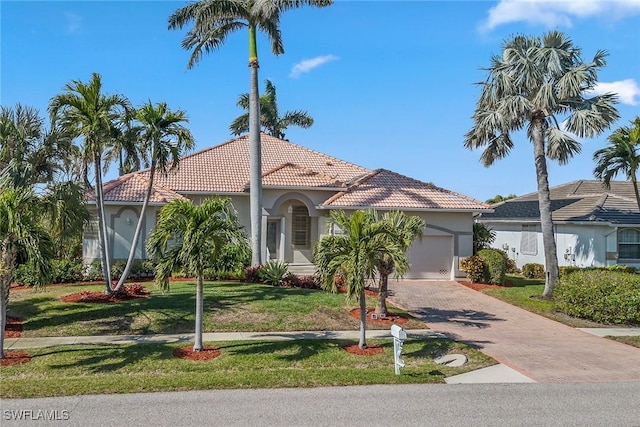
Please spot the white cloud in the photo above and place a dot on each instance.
(307, 65)
(627, 90)
(556, 12)
(74, 22)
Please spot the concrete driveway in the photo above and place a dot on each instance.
(541, 349)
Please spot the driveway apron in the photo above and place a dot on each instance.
(540, 348)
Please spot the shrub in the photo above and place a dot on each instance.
(117, 268)
(566, 270)
(93, 271)
(473, 266)
(25, 275)
(494, 266)
(66, 271)
(533, 271)
(149, 268)
(602, 296)
(510, 265)
(252, 274)
(273, 272)
(622, 268)
(304, 282)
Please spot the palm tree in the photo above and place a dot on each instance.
(355, 255)
(404, 230)
(214, 21)
(191, 237)
(535, 80)
(620, 156)
(270, 118)
(163, 140)
(86, 112)
(20, 230)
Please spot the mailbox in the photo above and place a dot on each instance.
(399, 335)
(398, 332)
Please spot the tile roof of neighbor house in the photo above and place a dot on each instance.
(132, 188)
(578, 201)
(224, 169)
(386, 189)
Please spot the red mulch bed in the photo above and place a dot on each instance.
(367, 292)
(13, 357)
(134, 291)
(389, 320)
(369, 350)
(481, 286)
(187, 353)
(14, 328)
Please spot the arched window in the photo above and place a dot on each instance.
(629, 243)
(301, 226)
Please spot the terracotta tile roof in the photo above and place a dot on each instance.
(132, 188)
(225, 167)
(385, 189)
(291, 175)
(578, 201)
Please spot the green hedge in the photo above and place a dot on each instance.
(602, 296)
(495, 266)
(533, 271)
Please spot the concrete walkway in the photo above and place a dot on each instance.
(537, 347)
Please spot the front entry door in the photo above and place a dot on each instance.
(273, 237)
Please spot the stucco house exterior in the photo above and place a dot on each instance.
(300, 188)
(594, 226)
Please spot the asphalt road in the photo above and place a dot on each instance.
(578, 404)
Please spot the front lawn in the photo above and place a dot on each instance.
(228, 306)
(73, 370)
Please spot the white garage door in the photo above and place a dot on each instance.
(431, 258)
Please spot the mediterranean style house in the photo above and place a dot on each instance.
(300, 188)
(594, 226)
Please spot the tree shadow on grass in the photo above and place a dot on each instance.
(110, 357)
(291, 350)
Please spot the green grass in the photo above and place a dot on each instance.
(72, 370)
(526, 294)
(227, 307)
(634, 341)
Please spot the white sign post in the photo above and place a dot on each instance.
(399, 335)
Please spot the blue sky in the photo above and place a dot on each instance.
(390, 84)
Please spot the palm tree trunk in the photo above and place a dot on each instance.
(363, 320)
(136, 234)
(544, 202)
(103, 242)
(634, 180)
(255, 155)
(6, 273)
(197, 346)
(381, 306)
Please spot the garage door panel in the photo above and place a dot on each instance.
(431, 258)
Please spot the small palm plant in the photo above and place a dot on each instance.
(191, 237)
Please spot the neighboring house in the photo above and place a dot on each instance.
(594, 226)
(300, 188)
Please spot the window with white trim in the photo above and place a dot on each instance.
(301, 226)
(629, 243)
(529, 240)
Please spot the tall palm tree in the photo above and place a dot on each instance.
(622, 155)
(355, 255)
(533, 82)
(404, 230)
(270, 118)
(20, 230)
(163, 140)
(214, 21)
(191, 237)
(88, 113)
